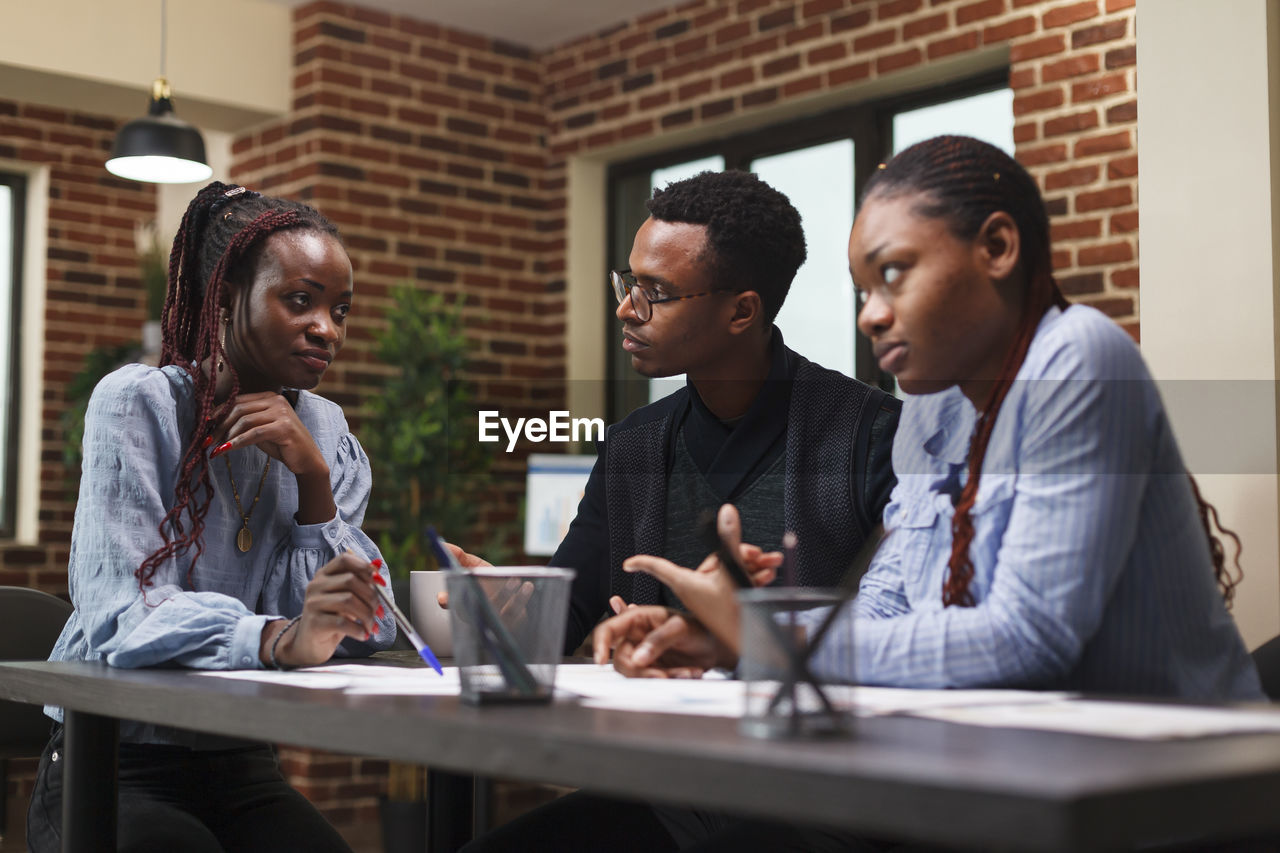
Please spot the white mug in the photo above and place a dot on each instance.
(429, 619)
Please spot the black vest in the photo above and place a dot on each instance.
(822, 503)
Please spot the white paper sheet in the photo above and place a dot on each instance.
(358, 679)
(1130, 720)
(883, 701)
(715, 695)
(300, 678)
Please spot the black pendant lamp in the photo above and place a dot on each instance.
(159, 148)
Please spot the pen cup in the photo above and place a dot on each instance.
(430, 620)
(508, 631)
(783, 698)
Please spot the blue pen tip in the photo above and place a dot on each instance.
(431, 659)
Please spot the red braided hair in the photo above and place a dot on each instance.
(964, 181)
(215, 244)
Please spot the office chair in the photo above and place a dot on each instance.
(30, 622)
(1266, 658)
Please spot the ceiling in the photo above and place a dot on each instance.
(538, 24)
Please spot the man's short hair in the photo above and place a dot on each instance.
(754, 238)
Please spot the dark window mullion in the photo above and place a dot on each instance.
(12, 383)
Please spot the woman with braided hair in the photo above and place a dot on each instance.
(218, 521)
(1044, 532)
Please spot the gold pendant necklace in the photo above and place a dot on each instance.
(244, 539)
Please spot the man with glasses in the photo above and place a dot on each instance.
(794, 446)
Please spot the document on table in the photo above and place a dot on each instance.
(603, 687)
(357, 678)
(1100, 718)
(717, 696)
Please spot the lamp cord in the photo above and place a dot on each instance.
(164, 28)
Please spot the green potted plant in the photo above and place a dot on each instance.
(428, 468)
(420, 434)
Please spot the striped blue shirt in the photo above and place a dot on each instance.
(210, 618)
(1091, 567)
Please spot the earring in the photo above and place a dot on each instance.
(225, 319)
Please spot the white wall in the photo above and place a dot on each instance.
(230, 62)
(585, 356)
(1207, 143)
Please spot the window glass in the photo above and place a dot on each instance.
(988, 117)
(815, 316)
(8, 218)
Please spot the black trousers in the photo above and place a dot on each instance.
(173, 798)
(582, 822)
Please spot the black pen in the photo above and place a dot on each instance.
(501, 645)
(711, 532)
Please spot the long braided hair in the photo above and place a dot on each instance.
(963, 181)
(217, 245)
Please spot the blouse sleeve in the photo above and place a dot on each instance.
(131, 450)
(1083, 455)
(310, 546)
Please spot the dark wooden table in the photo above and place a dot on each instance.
(898, 777)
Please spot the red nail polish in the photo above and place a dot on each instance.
(381, 612)
(221, 448)
(379, 581)
(377, 564)
(208, 441)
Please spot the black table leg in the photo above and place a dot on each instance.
(4, 804)
(449, 810)
(482, 804)
(89, 783)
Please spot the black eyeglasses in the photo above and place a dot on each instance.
(625, 284)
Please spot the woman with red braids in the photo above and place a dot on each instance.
(1044, 532)
(218, 522)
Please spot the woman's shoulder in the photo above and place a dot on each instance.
(140, 400)
(140, 383)
(1083, 343)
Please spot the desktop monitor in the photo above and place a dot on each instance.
(553, 489)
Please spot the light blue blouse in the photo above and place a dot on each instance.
(1091, 568)
(210, 617)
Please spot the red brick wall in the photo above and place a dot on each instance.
(425, 146)
(1072, 70)
(94, 296)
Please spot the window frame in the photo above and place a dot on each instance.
(868, 124)
(18, 185)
